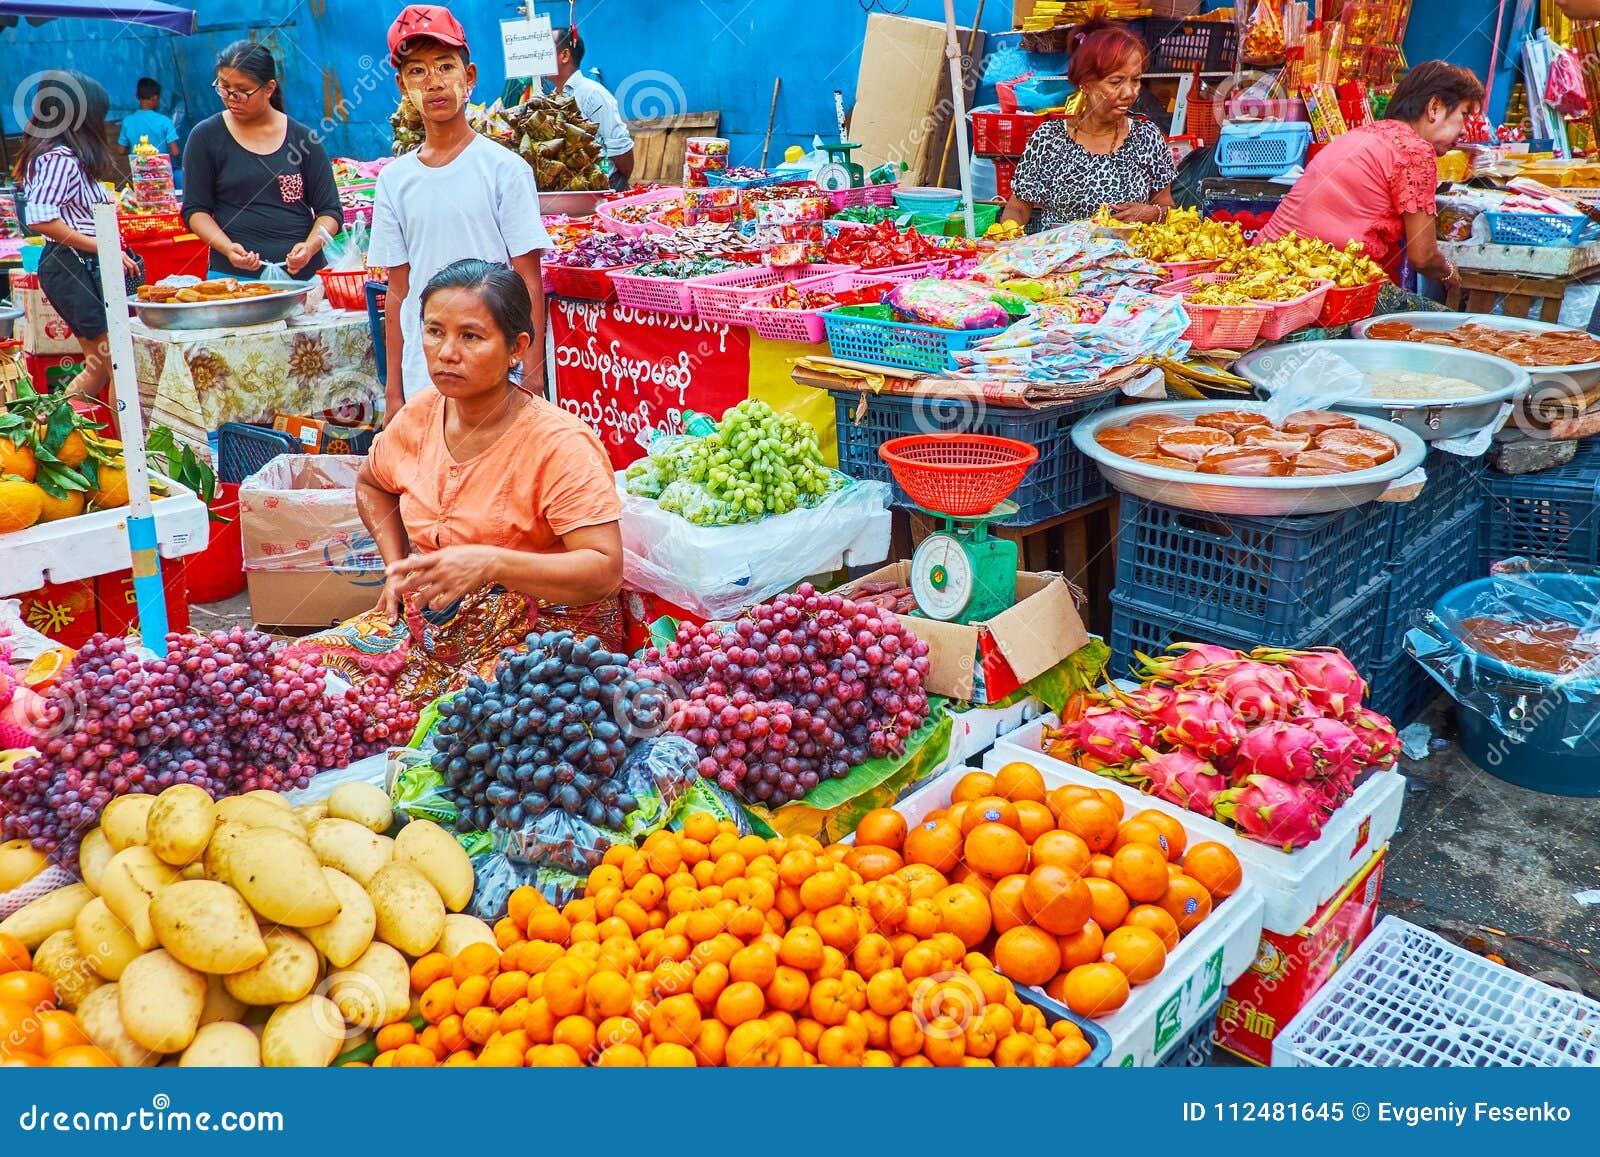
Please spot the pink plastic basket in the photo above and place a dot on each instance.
(721, 297)
(880, 195)
(1233, 327)
(1178, 270)
(803, 325)
(655, 294)
(606, 210)
(1284, 317)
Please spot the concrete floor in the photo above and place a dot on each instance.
(1477, 860)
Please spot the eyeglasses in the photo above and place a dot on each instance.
(419, 71)
(235, 94)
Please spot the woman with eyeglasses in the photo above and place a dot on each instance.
(256, 183)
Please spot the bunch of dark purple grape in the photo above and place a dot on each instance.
(229, 712)
(550, 730)
(799, 690)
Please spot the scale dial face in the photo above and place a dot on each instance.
(941, 577)
(833, 177)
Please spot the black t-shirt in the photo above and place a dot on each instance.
(265, 203)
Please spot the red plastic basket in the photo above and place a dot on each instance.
(1343, 306)
(345, 290)
(588, 284)
(1005, 172)
(150, 225)
(958, 474)
(1006, 134)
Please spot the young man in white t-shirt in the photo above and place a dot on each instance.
(460, 195)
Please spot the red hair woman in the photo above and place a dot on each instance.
(1103, 155)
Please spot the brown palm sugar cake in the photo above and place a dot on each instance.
(1566, 347)
(1369, 442)
(1245, 462)
(1314, 422)
(1232, 421)
(1129, 441)
(1165, 462)
(1283, 441)
(1155, 421)
(1191, 442)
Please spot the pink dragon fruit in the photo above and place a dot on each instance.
(1288, 815)
(1378, 734)
(1100, 737)
(1257, 692)
(1328, 680)
(1183, 778)
(1286, 751)
(1201, 722)
(1333, 790)
(1149, 703)
(1191, 659)
(1344, 753)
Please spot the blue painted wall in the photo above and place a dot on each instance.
(658, 57)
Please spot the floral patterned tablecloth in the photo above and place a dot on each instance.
(195, 380)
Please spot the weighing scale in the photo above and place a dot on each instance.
(959, 574)
(839, 171)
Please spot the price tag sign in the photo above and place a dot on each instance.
(529, 45)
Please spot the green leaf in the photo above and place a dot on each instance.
(1083, 670)
(56, 480)
(160, 440)
(58, 427)
(11, 420)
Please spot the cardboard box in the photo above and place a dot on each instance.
(903, 104)
(1019, 644)
(44, 331)
(64, 612)
(118, 608)
(320, 436)
(1290, 969)
(308, 559)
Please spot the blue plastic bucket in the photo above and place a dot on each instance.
(30, 255)
(926, 199)
(1542, 761)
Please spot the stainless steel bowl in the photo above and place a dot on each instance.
(1567, 380)
(1317, 494)
(1428, 420)
(224, 314)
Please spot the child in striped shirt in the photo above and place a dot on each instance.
(65, 154)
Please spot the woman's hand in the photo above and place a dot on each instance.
(1138, 213)
(436, 580)
(391, 602)
(130, 267)
(300, 256)
(240, 257)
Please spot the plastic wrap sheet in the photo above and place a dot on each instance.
(1518, 699)
(299, 511)
(1102, 262)
(714, 570)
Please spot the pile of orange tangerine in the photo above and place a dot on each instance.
(34, 1033)
(707, 948)
(1063, 892)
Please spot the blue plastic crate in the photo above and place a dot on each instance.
(1061, 481)
(377, 295)
(1400, 688)
(1455, 487)
(898, 343)
(1247, 574)
(1262, 149)
(1553, 514)
(1354, 627)
(1099, 1040)
(1194, 1049)
(718, 181)
(1440, 562)
(242, 449)
(1541, 230)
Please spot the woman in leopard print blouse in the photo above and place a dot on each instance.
(1102, 156)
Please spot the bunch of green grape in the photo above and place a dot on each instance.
(758, 462)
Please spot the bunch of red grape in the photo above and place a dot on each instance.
(799, 690)
(227, 712)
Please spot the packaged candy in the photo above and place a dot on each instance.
(947, 304)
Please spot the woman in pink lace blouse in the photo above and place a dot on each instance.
(1375, 183)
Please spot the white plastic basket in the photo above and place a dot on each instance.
(1160, 1014)
(1408, 998)
(1294, 884)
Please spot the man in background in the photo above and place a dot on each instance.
(147, 123)
(596, 104)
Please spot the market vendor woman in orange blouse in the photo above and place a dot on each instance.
(496, 512)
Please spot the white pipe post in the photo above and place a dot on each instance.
(958, 100)
(149, 594)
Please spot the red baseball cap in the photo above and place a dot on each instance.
(424, 22)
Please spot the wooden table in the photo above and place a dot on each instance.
(1523, 277)
(1481, 292)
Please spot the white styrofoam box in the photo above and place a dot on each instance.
(97, 543)
(1409, 998)
(1295, 884)
(976, 729)
(1205, 962)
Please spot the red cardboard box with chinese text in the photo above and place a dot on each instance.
(119, 611)
(1289, 970)
(63, 612)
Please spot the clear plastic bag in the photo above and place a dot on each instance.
(712, 571)
(695, 503)
(1522, 648)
